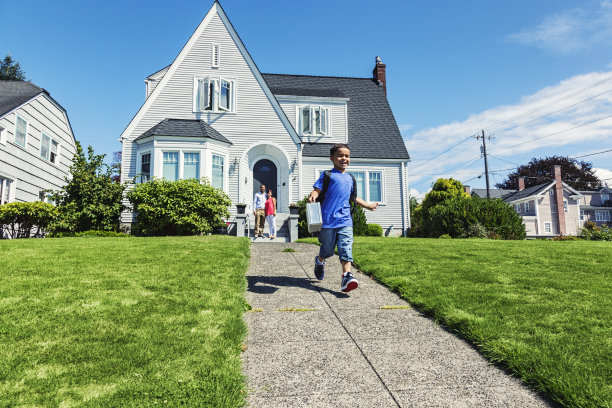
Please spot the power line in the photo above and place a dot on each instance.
(440, 154)
(548, 114)
(512, 119)
(592, 154)
(499, 158)
(553, 134)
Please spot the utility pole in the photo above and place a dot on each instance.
(486, 163)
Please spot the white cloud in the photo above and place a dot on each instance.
(520, 130)
(570, 31)
(406, 127)
(604, 174)
(416, 194)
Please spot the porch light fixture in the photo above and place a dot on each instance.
(294, 164)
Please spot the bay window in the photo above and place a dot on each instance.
(217, 171)
(170, 166)
(145, 167)
(313, 120)
(191, 166)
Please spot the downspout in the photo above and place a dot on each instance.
(404, 212)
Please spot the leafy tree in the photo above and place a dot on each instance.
(577, 174)
(116, 166)
(443, 189)
(182, 207)
(90, 200)
(11, 70)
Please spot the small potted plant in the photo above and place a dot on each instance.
(294, 209)
(240, 208)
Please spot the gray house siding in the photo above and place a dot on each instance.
(30, 172)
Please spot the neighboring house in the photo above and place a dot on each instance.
(548, 209)
(596, 206)
(211, 113)
(36, 143)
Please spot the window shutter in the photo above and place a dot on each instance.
(323, 117)
(204, 94)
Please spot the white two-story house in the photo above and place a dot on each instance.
(212, 113)
(36, 143)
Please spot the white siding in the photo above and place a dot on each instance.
(387, 214)
(30, 172)
(254, 121)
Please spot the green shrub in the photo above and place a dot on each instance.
(445, 236)
(182, 207)
(25, 220)
(90, 200)
(90, 234)
(360, 222)
(455, 216)
(476, 230)
(566, 238)
(594, 233)
(374, 230)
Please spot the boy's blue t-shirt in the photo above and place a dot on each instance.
(335, 209)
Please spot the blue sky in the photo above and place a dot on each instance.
(453, 68)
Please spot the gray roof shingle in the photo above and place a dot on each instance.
(373, 132)
(14, 93)
(184, 128)
(526, 192)
(495, 193)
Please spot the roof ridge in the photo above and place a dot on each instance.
(318, 76)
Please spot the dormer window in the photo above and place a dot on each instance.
(214, 95)
(313, 120)
(604, 198)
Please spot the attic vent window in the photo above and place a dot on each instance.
(215, 55)
(313, 120)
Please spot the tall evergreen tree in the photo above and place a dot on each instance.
(577, 174)
(11, 70)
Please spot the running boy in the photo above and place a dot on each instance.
(337, 220)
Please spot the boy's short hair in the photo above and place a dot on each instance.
(337, 147)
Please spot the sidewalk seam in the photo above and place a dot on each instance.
(351, 336)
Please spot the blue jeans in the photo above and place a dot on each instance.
(342, 238)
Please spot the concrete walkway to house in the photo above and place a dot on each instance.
(310, 345)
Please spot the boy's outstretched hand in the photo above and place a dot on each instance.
(365, 204)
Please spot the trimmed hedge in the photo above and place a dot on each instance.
(25, 220)
(374, 230)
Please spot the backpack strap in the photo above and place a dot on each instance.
(353, 196)
(326, 180)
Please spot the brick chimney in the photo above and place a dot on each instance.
(379, 74)
(521, 183)
(559, 199)
(467, 189)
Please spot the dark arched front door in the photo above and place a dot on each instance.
(264, 172)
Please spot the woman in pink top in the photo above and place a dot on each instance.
(270, 208)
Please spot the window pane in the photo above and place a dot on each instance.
(54, 149)
(375, 187)
(224, 101)
(217, 171)
(20, 131)
(44, 146)
(145, 167)
(305, 120)
(171, 165)
(317, 121)
(360, 179)
(191, 166)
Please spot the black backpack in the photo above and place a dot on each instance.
(327, 179)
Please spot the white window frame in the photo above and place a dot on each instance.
(581, 215)
(139, 166)
(25, 139)
(7, 185)
(2, 135)
(383, 187)
(213, 101)
(178, 163)
(182, 171)
(324, 120)
(43, 135)
(216, 56)
(565, 206)
(547, 227)
(224, 157)
(526, 206)
(602, 215)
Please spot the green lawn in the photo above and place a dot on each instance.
(109, 322)
(542, 309)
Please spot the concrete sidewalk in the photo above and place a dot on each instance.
(310, 345)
